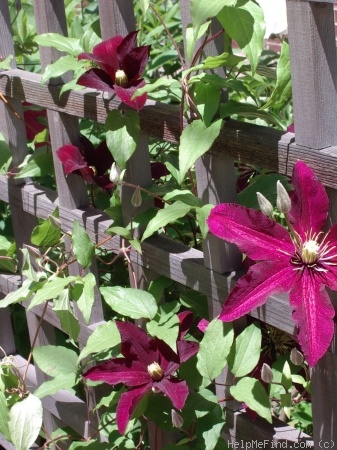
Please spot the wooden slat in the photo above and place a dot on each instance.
(313, 72)
(262, 146)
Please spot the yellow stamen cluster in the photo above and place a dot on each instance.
(155, 371)
(310, 251)
(121, 78)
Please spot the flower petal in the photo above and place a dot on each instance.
(119, 370)
(186, 349)
(313, 313)
(136, 344)
(96, 79)
(106, 53)
(310, 202)
(126, 45)
(135, 61)
(176, 390)
(127, 405)
(253, 289)
(74, 162)
(254, 233)
(125, 95)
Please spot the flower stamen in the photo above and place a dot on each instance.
(155, 371)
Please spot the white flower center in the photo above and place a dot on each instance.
(121, 78)
(310, 251)
(155, 371)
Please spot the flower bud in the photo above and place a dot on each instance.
(265, 205)
(136, 199)
(266, 373)
(283, 201)
(155, 371)
(177, 420)
(296, 357)
(114, 175)
(55, 222)
(33, 252)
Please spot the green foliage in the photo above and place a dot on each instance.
(83, 248)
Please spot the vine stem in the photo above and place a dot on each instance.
(34, 341)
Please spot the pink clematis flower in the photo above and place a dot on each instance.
(120, 67)
(148, 365)
(302, 262)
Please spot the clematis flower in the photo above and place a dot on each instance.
(301, 262)
(120, 67)
(148, 365)
(90, 163)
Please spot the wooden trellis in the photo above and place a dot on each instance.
(212, 272)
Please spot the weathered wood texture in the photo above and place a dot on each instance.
(214, 271)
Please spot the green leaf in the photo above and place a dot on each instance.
(51, 387)
(46, 234)
(286, 380)
(62, 66)
(104, 337)
(71, 46)
(156, 85)
(93, 444)
(184, 196)
(247, 110)
(244, 22)
(122, 133)
(191, 38)
(21, 294)
(4, 417)
(210, 427)
(157, 286)
(195, 141)
(214, 348)
(202, 215)
(5, 153)
(251, 392)
(207, 97)
(130, 302)
(282, 92)
(264, 183)
(121, 231)
(245, 352)
(166, 329)
(69, 323)
(55, 360)
(223, 60)
(202, 10)
(165, 216)
(6, 63)
(25, 421)
(83, 248)
(144, 4)
(86, 300)
(37, 166)
(50, 289)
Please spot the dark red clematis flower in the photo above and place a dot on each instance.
(89, 162)
(35, 121)
(148, 365)
(120, 67)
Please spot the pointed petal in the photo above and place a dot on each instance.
(309, 201)
(106, 52)
(253, 289)
(125, 95)
(203, 324)
(254, 233)
(185, 321)
(136, 344)
(103, 158)
(135, 61)
(158, 170)
(74, 162)
(96, 79)
(119, 370)
(126, 45)
(176, 390)
(313, 314)
(127, 405)
(186, 349)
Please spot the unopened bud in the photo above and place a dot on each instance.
(114, 174)
(296, 357)
(33, 252)
(136, 199)
(177, 420)
(18, 5)
(266, 373)
(265, 205)
(283, 201)
(55, 222)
